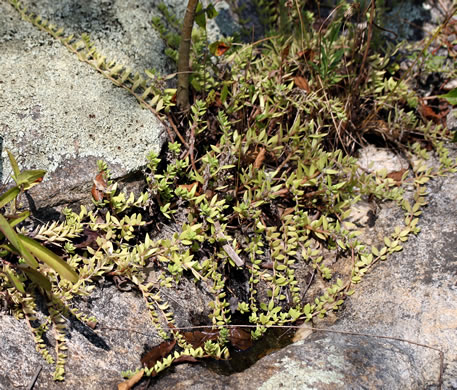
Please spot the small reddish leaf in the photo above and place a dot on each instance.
(286, 211)
(91, 324)
(96, 194)
(307, 54)
(285, 53)
(221, 49)
(250, 156)
(185, 359)
(209, 194)
(189, 187)
(99, 188)
(267, 265)
(259, 159)
(217, 102)
(283, 192)
(218, 48)
(397, 176)
(428, 113)
(302, 83)
(100, 182)
(157, 353)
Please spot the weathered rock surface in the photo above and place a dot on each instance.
(413, 295)
(96, 357)
(58, 114)
(325, 361)
(97, 360)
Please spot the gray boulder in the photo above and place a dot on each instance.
(58, 113)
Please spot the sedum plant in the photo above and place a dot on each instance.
(260, 185)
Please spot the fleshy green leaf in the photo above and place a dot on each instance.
(50, 258)
(13, 162)
(200, 15)
(211, 11)
(37, 278)
(8, 196)
(29, 178)
(16, 282)
(13, 238)
(18, 218)
(451, 97)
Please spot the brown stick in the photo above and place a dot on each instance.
(182, 96)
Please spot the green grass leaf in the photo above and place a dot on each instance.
(16, 282)
(50, 258)
(37, 278)
(29, 178)
(13, 162)
(8, 196)
(18, 218)
(451, 97)
(14, 239)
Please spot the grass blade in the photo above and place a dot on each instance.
(50, 258)
(13, 238)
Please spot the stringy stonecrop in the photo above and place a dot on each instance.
(311, 189)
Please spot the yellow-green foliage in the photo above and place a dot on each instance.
(260, 155)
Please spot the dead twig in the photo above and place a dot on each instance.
(34, 379)
(175, 129)
(228, 247)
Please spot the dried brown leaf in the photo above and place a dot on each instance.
(285, 53)
(157, 353)
(428, 113)
(221, 49)
(259, 159)
(197, 338)
(240, 338)
(99, 188)
(397, 176)
(189, 187)
(185, 359)
(302, 83)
